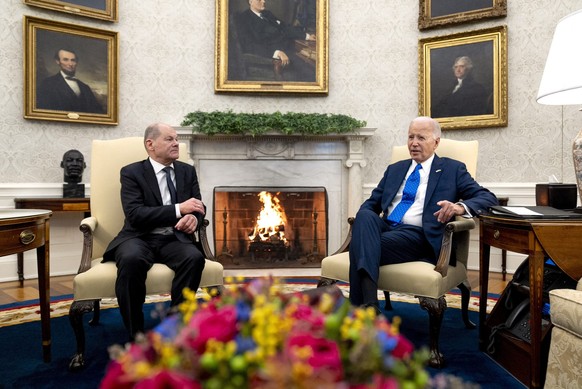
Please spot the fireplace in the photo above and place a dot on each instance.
(276, 161)
(266, 227)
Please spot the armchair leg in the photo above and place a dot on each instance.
(76, 312)
(388, 306)
(465, 288)
(326, 282)
(435, 309)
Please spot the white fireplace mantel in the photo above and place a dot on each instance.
(334, 161)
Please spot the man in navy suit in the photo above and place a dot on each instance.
(160, 218)
(63, 91)
(445, 190)
(262, 33)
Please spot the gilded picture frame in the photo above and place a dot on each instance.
(479, 58)
(87, 56)
(248, 60)
(439, 13)
(96, 9)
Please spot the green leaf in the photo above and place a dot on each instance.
(290, 123)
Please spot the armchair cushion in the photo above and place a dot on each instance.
(426, 281)
(565, 356)
(159, 279)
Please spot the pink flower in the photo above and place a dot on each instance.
(168, 380)
(114, 379)
(308, 319)
(210, 323)
(403, 348)
(325, 354)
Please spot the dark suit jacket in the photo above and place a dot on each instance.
(263, 37)
(54, 93)
(142, 201)
(448, 180)
(470, 99)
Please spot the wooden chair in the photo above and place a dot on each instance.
(96, 280)
(427, 282)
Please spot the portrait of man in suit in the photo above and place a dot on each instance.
(466, 96)
(64, 91)
(273, 44)
(461, 81)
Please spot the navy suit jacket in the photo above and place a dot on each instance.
(142, 204)
(448, 180)
(54, 93)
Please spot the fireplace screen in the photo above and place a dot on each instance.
(270, 227)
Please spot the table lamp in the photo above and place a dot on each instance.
(561, 82)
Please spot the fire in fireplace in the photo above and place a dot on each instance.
(270, 227)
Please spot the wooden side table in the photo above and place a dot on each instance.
(23, 230)
(54, 204)
(558, 239)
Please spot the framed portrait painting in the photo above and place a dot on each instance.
(438, 13)
(277, 47)
(70, 72)
(97, 9)
(463, 79)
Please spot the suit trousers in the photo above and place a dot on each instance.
(375, 242)
(135, 256)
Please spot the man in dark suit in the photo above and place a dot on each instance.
(443, 189)
(261, 33)
(65, 92)
(466, 97)
(160, 218)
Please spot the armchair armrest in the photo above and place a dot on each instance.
(203, 237)
(346, 245)
(88, 225)
(458, 225)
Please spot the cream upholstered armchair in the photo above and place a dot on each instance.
(96, 280)
(427, 282)
(565, 356)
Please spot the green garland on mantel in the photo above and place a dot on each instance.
(290, 123)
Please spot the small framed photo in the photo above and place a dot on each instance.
(97, 9)
(70, 72)
(439, 13)
(279, 46)
(463, 79)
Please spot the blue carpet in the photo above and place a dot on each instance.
(22, 366)
(459, 345)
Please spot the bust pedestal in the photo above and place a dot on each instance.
(71, 190)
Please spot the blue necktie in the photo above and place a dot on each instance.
(408, 195)
(171, 187)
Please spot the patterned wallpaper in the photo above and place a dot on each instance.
(166, 69)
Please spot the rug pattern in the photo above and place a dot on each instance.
(29, 313)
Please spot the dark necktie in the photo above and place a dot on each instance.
(408, 195)
(171, 187)
(71, 78)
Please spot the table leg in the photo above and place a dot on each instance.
(504, 264)
(20, 268)
(484, 260)
(42, 254)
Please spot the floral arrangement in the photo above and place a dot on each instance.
(256, 336)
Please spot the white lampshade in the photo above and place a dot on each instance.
(562, 79)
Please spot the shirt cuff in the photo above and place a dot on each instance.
(177, 208)
(467, 213)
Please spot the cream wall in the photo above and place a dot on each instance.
(166, 69)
